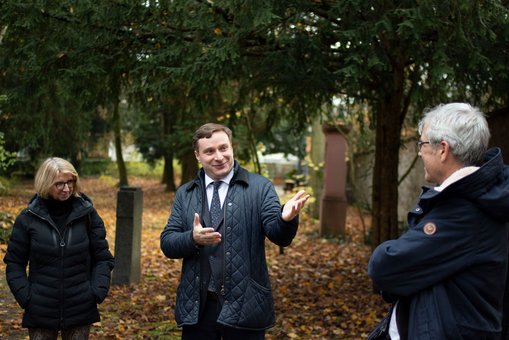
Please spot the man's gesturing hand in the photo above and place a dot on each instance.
(204, 236)
(293, 206)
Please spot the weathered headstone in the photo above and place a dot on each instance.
(128, 236)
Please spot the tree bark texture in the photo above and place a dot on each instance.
(390, 114)
(189, 167)
(166, 131)
(122, 170)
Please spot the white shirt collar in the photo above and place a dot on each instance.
(456, 176)
(226, 179)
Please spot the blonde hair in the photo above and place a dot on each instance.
(48, 171)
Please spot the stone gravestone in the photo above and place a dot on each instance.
(128, 236)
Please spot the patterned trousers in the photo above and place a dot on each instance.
(76, 333)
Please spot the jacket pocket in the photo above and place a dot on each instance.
(35, 299)
(94, 294)
(24, 299)
(257, 310)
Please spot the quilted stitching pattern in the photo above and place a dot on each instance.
(251, 213)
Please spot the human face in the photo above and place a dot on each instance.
(215, 155)
(430, 155)
(65, 179)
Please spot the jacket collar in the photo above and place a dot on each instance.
(477, 182)
(81, 206)
(456, 176)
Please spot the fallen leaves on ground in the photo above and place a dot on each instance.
(321, 287)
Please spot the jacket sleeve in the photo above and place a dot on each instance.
(418, 260)
(102, 260)
(276, 229)
(16, 259)
(176, 239)
(505, 315)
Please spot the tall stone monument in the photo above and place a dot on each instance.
(333, 201)
(128, 236)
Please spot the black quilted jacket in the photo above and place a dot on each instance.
(252, 212)
(68, 274)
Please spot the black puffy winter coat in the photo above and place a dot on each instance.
(252, 212)
(69, 273)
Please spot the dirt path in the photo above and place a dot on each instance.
(10, 312)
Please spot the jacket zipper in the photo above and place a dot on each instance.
(62, 245)
(222, 290)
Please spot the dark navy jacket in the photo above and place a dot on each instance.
(252, 211)
(451, 264)
(69, 273)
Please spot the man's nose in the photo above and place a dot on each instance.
(218, 155)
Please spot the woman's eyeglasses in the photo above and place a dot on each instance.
(61, 185)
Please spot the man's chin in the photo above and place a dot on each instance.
(220, 174)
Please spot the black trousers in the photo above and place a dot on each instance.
(208, 329)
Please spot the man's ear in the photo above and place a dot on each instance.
(196, 154)
(445, 151)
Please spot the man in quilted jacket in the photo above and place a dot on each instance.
(218, 225)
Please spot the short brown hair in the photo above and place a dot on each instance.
(48, 171)
(206, 131)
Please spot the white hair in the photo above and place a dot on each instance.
(462, 126)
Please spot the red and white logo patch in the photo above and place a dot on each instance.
(429, 228)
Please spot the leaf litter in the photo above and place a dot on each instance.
(321, 287)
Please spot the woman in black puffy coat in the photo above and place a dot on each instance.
(62, 240)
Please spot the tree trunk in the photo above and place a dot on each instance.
(385, 178)
(316, 170)
(252, 143)
(189, 167)
(76, 161)
(390, 115)
(168, 172)
(122, 170)
(167, 129)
